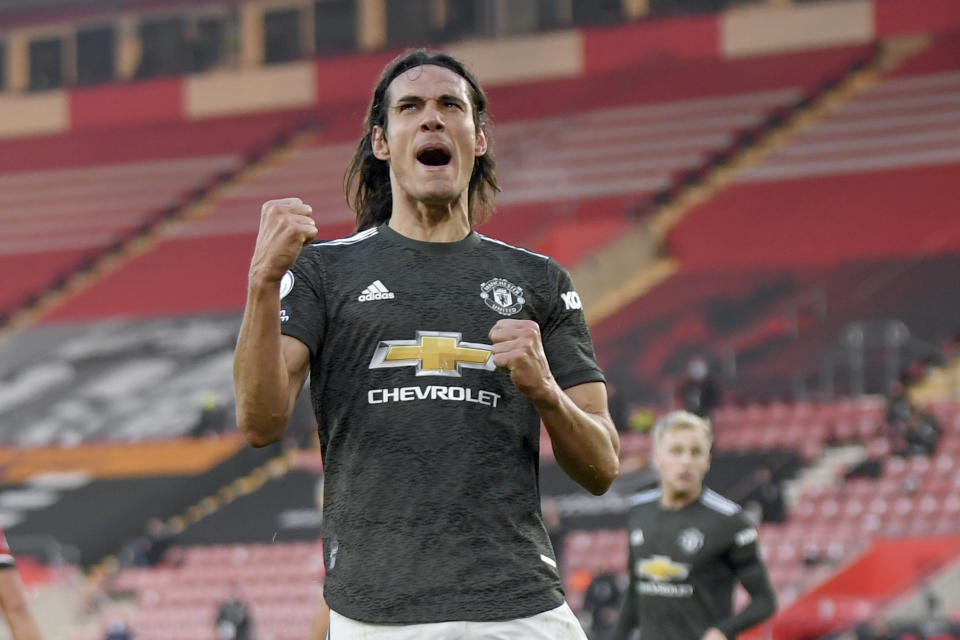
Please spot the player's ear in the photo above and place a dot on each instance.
(480, 148)
(378, 140)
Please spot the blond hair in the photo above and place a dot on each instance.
(682, 420)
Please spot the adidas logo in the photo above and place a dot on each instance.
(376, 291)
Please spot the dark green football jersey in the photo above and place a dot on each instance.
(431, 497)
(684, 564)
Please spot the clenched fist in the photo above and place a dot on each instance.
(518, 348)
(285, 227)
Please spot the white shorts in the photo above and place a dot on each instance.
(556, 624)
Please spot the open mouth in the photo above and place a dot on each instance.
(434, 157)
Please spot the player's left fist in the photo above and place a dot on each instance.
(518, 348)
(714, 634)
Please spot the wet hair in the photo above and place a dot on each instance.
(681, 420)
(367, 180)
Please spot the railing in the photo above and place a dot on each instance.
(891, 339)
(45, 548)
(813, 302)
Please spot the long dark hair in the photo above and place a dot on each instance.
(367, 180)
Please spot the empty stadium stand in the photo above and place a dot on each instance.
(281, 583)
(65, 200)
(116, 381)
(645, 127)
(834, 227)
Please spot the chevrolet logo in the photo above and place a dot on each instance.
(433, 353)
(662, 568)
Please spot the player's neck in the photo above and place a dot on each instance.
(674, 500)
(429, 223)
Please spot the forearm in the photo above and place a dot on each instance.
(261, 380)
(763, 602)
(22, 624)
(585, 444)
(753, 614)
(628, 620)
(321, 623)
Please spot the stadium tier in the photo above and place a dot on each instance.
(164, 140)
(779, 322)
(116, 381)
(598, 146)
(281, 583)
(65, 199)
(833, 227)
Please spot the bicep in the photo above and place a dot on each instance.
(753, 576)
(748, 566)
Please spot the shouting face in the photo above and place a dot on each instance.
(431, 138)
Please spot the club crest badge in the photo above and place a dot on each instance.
(690, 540)
(502, 296)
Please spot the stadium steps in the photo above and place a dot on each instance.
(57, 608)
(945, 584)
(191, 210)
(824, 472)
(640, 249)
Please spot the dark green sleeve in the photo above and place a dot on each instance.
(744, 557)
(566, 337)
(302, 301)
(629, 618)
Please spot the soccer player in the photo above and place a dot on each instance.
(689, 546)
(434, 352)
(13, 601)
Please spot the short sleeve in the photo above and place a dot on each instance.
(744, 549)
(302, 305)
(566, 338)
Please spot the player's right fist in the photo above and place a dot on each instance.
(285, 227)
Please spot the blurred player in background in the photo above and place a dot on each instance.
(13, 600)
(689, 546)
(434, 354)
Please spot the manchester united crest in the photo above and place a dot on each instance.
(502, 296)
(690, 540)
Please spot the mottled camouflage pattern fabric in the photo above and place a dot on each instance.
(431, 506)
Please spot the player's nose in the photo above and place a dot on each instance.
(432, 121)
